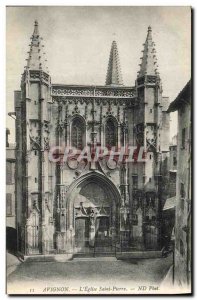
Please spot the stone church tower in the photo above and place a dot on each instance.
(89, 159)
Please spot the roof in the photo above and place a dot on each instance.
(170, 203)
(184, 97)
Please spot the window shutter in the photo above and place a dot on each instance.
(8, 204)
(8, 173)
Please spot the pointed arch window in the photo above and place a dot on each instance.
(111, 134)
(78, 133)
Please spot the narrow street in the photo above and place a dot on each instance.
(86, 275)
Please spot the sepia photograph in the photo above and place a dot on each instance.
(98, 150)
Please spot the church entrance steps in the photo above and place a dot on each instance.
(48, 258)
(96, 257)
(109, 258)
(93, 255)
(139, 254)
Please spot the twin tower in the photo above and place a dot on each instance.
(81, 206)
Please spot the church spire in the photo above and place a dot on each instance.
(114, 76)
(36, 31)
(36, 59)
(148, 64)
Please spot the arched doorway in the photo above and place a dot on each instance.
(94, 214)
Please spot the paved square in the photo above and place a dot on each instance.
(91, 272)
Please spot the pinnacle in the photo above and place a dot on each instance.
(36, 32)
(36, 55)
(148, 64)
(114, 76)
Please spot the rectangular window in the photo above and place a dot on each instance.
(182, 190)
(174, 161)
(182, 251)
(8, 173)
(135, 182)
(8, 204)
(183, 138)
(182, 196)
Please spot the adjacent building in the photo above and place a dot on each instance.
(67, 203)
(172, 167)
(170, 203)
(11, 235)
(10, 183)
(183, 262)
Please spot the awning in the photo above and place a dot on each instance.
(170, 203)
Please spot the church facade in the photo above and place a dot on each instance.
(89, 159)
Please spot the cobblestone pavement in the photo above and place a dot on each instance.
(90, 272)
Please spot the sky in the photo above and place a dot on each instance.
(78, 41)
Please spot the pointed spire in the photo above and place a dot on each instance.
(149, 64)
(36, 59)
(114, 76)
(36, 31)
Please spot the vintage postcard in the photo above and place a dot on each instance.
(98, 150)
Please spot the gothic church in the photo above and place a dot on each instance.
(89, 206)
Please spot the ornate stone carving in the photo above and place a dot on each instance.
(46, 143)
(34, 74)
(111, 164)
(97, 92)
(73, 164)
(45, 76)
(118, 113)
(124, 218)
(108, 174)
(150, 199)
(101, 115)
(46, 127)
(60, 127)
(86, 111)
(60, 105)
(35, 142)
(151, 79)
(139, 133)
(99, 101)
(151, 144)
(76, 110)
(81, 211)
(72, 91)
(114, 92)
